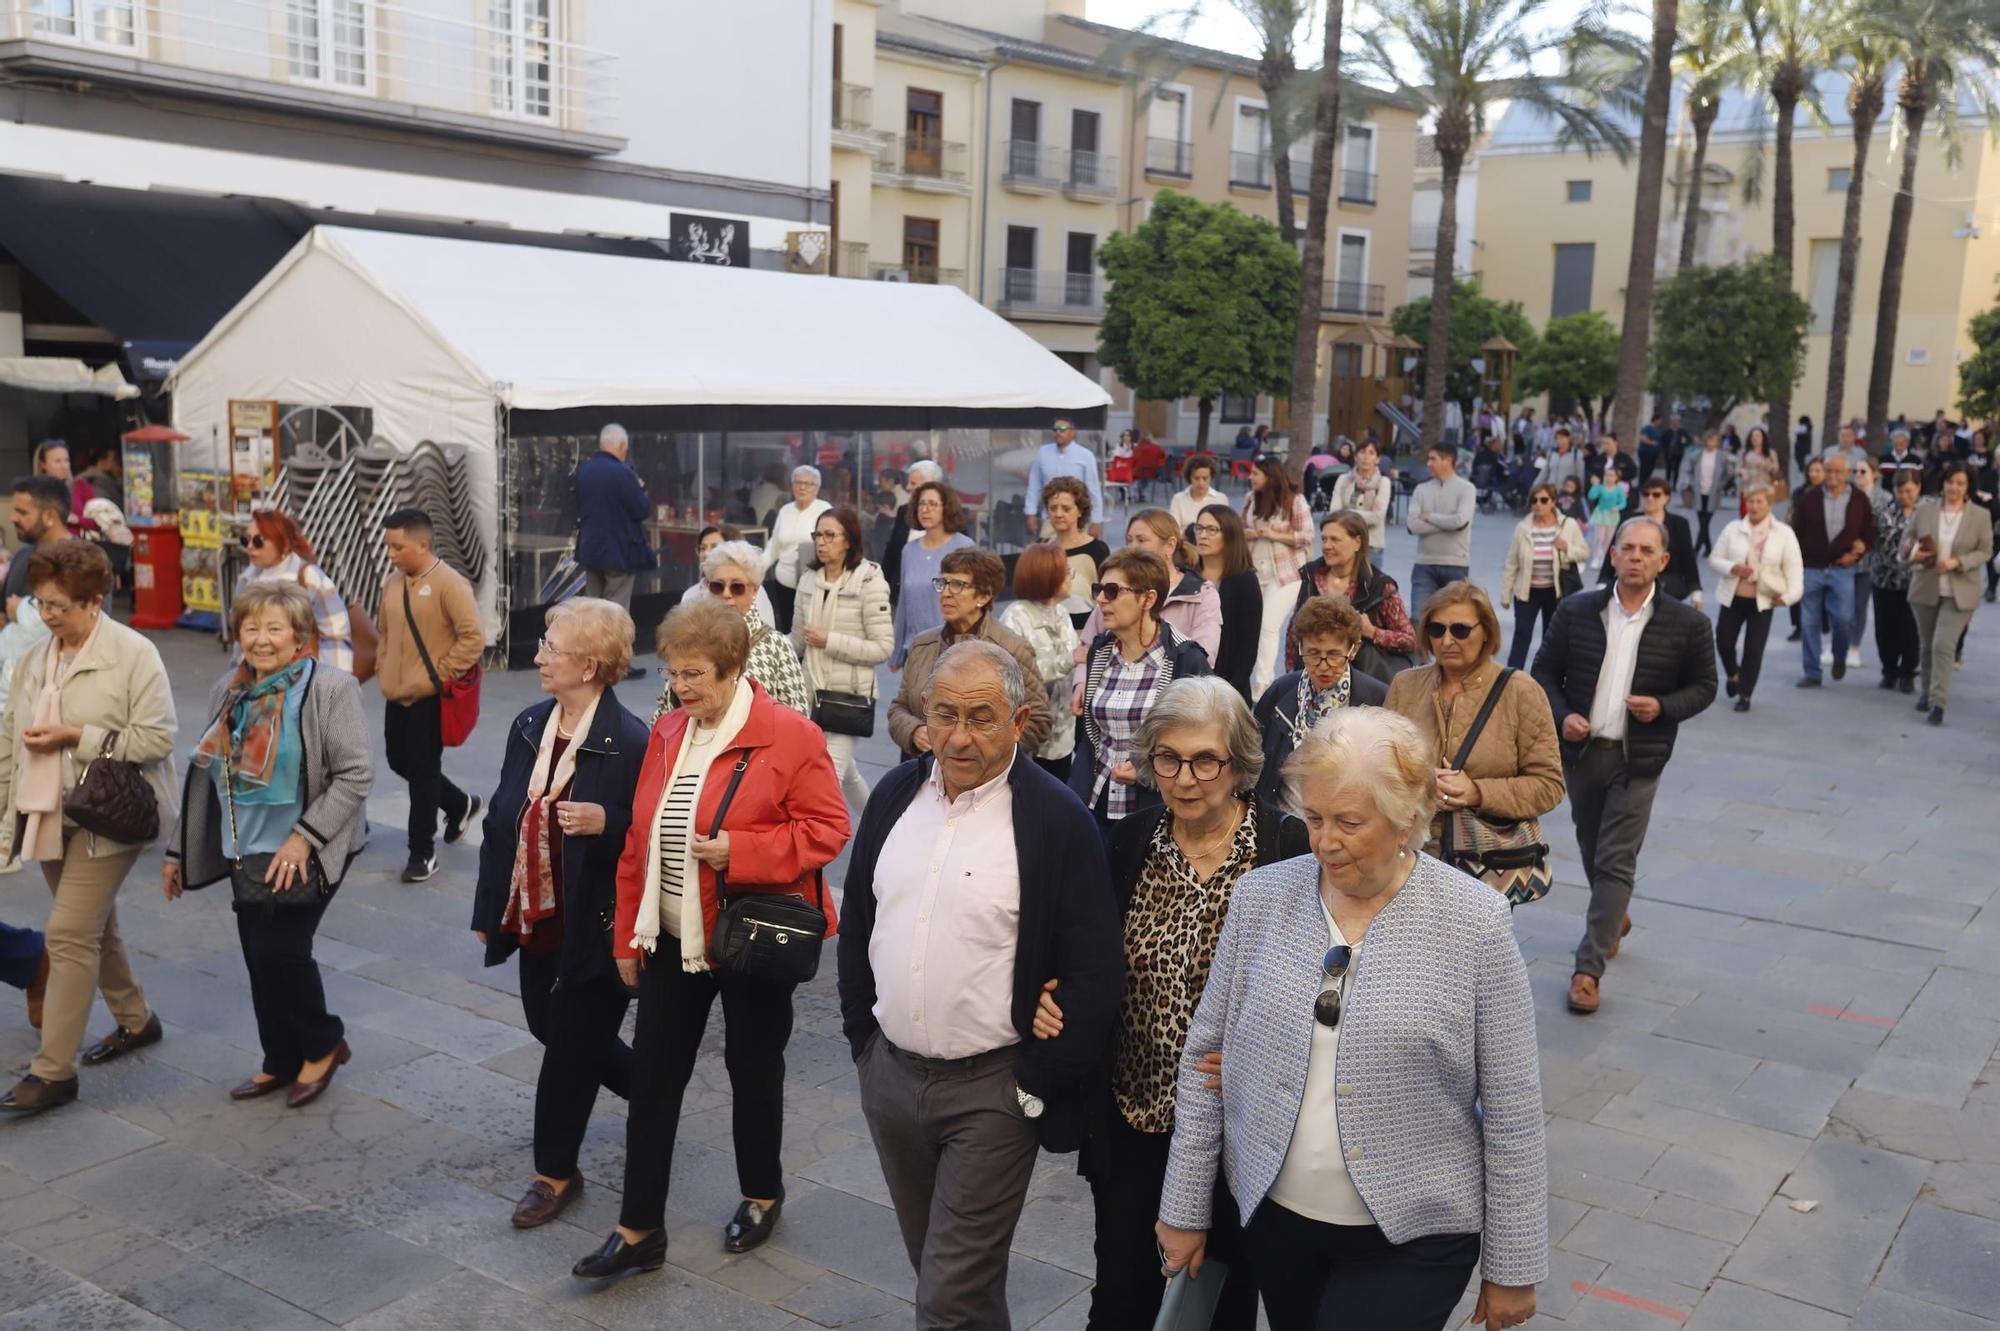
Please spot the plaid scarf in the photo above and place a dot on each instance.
(531, 890)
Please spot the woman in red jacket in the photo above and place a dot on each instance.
(785, 821)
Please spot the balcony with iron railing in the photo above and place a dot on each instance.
(919, 275)
(439, 66)
(1031, 167)
(1357, 187)
(853, 108)
(920, 162)
(1091, 175)
(1030, 291)
(1357, 298)
(1169, 157)
(1250, 170)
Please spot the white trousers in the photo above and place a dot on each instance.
(841, 749)
(1279, 598)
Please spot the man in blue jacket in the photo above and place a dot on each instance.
(611, 509)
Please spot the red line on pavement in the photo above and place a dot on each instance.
(1618, 1296)
(1848, 1014)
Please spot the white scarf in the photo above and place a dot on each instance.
(693, 936)
(46, 777)
(565, 770)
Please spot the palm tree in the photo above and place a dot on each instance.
(1633, 337)
(1787, 41)
(1865, 56)
(1707, 60)
(1934, 39)
(1460, 57)
(1312, 256)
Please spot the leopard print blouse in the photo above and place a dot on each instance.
(1171, 929)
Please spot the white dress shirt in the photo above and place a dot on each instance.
(1313, 1181)
(1621, 658)
(947, 923)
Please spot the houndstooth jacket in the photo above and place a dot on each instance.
(1438, 1082)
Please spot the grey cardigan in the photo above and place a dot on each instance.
(1437, 1079)
(333, 787)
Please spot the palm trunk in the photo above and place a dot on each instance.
(1437, 348)
(1646, 222)
(1782, 226)
(1864, 105)
(1272, 74)
(1914, 97)
(1312, 257)
(1704, 115)
(1206, 407)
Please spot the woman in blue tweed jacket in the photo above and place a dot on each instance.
(1380, 1110)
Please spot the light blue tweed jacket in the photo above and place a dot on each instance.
(1438, 1020)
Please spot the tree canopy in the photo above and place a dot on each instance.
(1201, 303)
(1575, 357)
(1475, 317)
(1729, 334)
(1979, 375)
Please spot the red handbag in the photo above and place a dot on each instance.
(458, 699)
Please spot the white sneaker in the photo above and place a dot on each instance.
(1853, 658)
(1826, 656)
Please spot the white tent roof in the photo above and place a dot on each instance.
(56, 374)
(552, 329)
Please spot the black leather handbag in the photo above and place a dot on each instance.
(113, 800)
(772, 936)
(844, 713)
(246, 872)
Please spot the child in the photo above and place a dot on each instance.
(1609, 511)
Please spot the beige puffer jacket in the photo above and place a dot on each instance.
(860, 627)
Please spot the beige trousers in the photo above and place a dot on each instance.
(85, 954)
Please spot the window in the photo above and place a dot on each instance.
(1837, 178)
(1353, 257)
(523, 60)
(1575, 269)
(1357, 175)
(1236, 410)
(1250, 155)
(1024, 146)
(920, 248)
(1018, 280)
(326, 41)
(1080, 269)
(923, 130)
(1579, 191)
(1085, 167)
(104, 22)
(1167, 148)
(1823, 278)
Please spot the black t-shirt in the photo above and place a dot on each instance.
(17, 573)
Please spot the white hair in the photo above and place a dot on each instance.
(613, 433)
(739, 555)
(803, 470)
(923, 469)
(974, 651)
(1373, 749)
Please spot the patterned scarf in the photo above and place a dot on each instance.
(252, 733)
(531, 892)
(1314, 707)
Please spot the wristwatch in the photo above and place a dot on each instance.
(1031, 1105)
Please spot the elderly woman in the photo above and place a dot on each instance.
(1950, 541)
(278, 551)
(730, 575)
(706, 541)
(938, 515)
(1888, 577)
(1758, 567)
(554, 830)
(734, 787)
(968, 582)
(843, 627)
(790, 543)
(1367, 1197)
(92, 687)
(1126, 668)
(1066, 504)
(1173, 867)
(1346, 569)
(1326, 633)
(283, 771)
(1512, 769)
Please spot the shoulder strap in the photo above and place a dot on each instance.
(417, 637)
(728, 794)
(1479, 722)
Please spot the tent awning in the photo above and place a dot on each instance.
(57, 374)
(692, 346)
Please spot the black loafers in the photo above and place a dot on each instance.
(648, 1254)
(751, 1225)
(121, 1042)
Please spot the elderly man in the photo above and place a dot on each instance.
(611, 512)
(1064, 457)
(1899, 459)
(1835, 525)
(1623, 667)
(975, 876)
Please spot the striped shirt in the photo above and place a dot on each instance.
(675, 829)
(1543, 570)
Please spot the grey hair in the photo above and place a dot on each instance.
(1655, 524)
(805, 470)
(923, 469)
(1204, 700)
(1903, 435)
(613, 433)
(959, 654)
(1379, 751)
(734, 554)
(1764, 490)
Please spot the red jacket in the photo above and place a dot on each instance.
(787, 820)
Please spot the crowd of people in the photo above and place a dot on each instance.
(1161, 808)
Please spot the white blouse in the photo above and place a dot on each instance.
(791, 529)
(1314, 1181)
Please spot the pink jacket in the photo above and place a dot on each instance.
(1193, 608)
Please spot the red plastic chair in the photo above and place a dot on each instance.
(1119, 474)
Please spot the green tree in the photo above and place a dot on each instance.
(1730, 334)
(1576, 357)
(1201, 303)
(1475, 317)
(1979, 375)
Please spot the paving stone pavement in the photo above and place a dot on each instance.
(1786, 1116)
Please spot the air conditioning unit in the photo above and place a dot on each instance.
(893, 275)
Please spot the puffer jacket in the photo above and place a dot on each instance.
(1676, 664)
(860, 627)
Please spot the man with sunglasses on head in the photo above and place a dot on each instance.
(968, 583)
(1623, 667)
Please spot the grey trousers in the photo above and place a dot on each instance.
(957, 1154)
(1938, 627)
(1610, 808)
(611, 584)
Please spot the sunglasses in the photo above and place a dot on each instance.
(720, 588)
(1459, 631)
(1543, 499)
(1110, 591)
(254, 541)
(1326, 1007)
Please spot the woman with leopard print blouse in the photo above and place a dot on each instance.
(1173, 867)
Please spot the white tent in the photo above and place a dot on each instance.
(440, 337)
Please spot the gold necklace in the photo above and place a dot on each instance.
(1228, 835)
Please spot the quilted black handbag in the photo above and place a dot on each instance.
(844, 713)
(774, 936)
(246, 872)
(113, 800)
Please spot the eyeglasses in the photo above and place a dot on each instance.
(1458, 631)
(54, 609)
(1167, 766)
(956, 586)
(1326, 1008)
(1207, 529)
(680, 677)
(1109, 592)
(1312, 658)
(943, 720)
(254, 541)
(718, 587)
(827, 535)
(544, 647)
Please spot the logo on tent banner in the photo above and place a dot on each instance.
(724, 241)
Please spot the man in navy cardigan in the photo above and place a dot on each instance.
(975, 877)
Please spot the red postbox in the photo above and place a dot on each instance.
(156, 577)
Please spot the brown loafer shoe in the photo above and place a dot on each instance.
(253, 1089)
(542, 1203)
(1582, 993)
(1619, 941)
(38, 989)
(32, 1095)
(121, 1042)
(305, 1092)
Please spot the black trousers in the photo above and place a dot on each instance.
(577, 1024)
(293, 1024)
(20, 955)
(1320, 1277)
(1127, 1169)
(1740, 616)
(1704, 510)
(782, 601)
(416, 753)
(1541, 603)
(1896, 633)
(1057, 767)
(673, 1014)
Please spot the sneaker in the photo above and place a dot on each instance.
(1853, 658)
(455, 828)
(420, 868)
(1826, 656)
